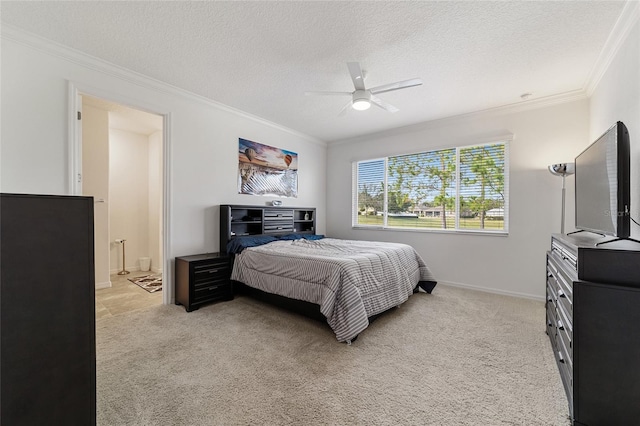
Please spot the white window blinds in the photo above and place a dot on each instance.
(461, 188)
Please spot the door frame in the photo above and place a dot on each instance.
(76, 90)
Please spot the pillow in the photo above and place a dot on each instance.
(313, 237)
(301, 236)
(237, 244)
(288, 237)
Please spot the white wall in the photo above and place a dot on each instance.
(129, 197)
(617, 98)
(543, 136)
(95, 183)
(203, 138)
(513, 264)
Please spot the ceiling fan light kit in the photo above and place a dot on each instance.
(362, 98)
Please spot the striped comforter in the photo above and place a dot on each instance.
(350, 280)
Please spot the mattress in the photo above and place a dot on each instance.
(350, 280)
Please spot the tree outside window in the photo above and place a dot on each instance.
(455, 188)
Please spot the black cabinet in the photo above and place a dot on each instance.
(47, 312)
(202, 278)
(238, 220)
(594, 327)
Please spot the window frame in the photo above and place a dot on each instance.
(505, 141)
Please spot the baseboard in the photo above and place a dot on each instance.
(491, 290)
(106, 284)
(128, 268)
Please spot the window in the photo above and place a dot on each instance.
(462, 188)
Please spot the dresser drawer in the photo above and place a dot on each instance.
(552, 325)
(566, 374)
(564, 342)
(567, 256)
(565, 308)
(563, 277)
(552, 289)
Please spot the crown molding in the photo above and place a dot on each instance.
(79, 58)
(623, 26)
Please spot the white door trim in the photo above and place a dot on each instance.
(74, 147)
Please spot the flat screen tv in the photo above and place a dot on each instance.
(602, 184)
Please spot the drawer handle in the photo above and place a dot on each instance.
(213, 288)
(560, 359)
(213, 271)
(561, 293)
(560, 325)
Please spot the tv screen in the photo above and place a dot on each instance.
(602, 184)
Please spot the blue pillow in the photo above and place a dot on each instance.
(288, 237)
(237, 244)
(313, 237)
(301, 236)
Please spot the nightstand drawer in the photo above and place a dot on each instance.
(211, 272)
(210, 280)
(214, 290)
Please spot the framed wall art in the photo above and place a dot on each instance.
(266, 170)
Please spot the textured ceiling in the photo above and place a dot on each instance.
(260, 57)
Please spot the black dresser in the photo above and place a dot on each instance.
(48, 355)
(593, 322)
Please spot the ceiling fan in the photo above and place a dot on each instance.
(362, 98)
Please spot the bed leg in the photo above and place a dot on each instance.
(427, 286)
(350, 341)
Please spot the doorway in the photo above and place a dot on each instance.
(122, 168)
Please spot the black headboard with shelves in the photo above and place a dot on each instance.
(242, 220)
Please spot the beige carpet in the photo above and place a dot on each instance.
(455, 357)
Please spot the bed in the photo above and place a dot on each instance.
(350, 281)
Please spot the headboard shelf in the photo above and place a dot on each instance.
(241, 220)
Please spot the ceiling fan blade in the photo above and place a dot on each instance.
(328, 93)
(356, 75)
(382, 104)
(396, 86)
(345, 108)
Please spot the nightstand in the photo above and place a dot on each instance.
(203, 278)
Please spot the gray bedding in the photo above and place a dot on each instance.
(350, 280)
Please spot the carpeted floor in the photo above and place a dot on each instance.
(455, 357)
